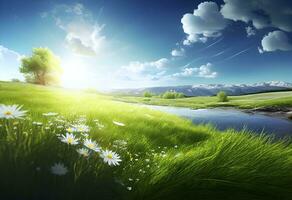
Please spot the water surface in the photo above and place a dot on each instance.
(232, 118)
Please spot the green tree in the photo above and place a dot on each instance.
(172, 95)
(43, 67)
(147, 94)
(222, 96)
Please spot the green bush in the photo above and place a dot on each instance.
(148, 94)
(222, 96)
(172, 95)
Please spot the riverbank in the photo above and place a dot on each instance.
(272, 103)
(282, 112)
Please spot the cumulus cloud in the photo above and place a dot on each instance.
(178, 52)
(262, 13)
(143, 71)
(203, 71)
(83, 35)
(250, 31)
(206, 21)
(138, 67)
(276, 40)
(9, 64)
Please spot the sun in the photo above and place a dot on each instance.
(74, 74)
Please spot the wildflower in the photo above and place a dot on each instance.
(110, 157)
(11, 112)
(129, 188)
(59, 169)
(69, 138)
(50, 114)
(82, 128)
(91, 145)
(119, 123)
(78, 128)
(120, 142)
(71, 129)
(37, 123)
(84, 152)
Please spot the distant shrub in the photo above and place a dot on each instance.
(15, 80)
(148, 94)
(222, 96)
(172, 95)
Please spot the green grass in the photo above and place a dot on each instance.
(185, 161)
(244, 101)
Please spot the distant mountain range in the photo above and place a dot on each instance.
(212, 89)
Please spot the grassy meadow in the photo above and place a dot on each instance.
(163, 156)
(243, 101)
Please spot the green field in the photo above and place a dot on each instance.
(244, 101)
(163, 156)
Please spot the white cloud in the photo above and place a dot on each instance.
(250, 31)
(9, 64)
(138, 67)
(206, 21)
(276, 40)
(178, 52)
(143, 71)
(161, 63)
(262, 13)
(83, 35)
(203, 71)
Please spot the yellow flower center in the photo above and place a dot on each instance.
(8, 113)
(90, 145)
(110, 156)
(70, 140)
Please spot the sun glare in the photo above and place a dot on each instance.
(74, 74)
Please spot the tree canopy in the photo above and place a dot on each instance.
(43, 67)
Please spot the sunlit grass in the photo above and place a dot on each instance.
(163, 156)
(244, 101)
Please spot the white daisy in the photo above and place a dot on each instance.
(82, 128)
(69, 138)
(11, 112)
(110, 157)
(78, 128)
(50, 114)
(119, 123)
(84, 152)
(71, 129)
(91, 145)
(59, 169)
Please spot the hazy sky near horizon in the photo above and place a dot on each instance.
(133, 43)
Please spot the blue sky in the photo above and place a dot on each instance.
(131, 43)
